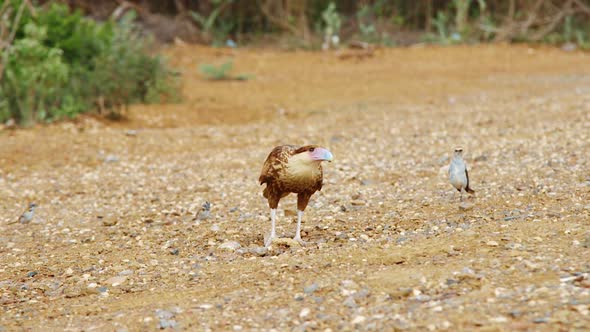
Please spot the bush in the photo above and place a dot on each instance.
(61, 64)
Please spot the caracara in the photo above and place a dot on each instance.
(458, 175)
(291, 169)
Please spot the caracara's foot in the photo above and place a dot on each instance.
(301, 242)
(268, 240)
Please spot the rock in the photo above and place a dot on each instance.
(357, 202)
(304, 313)
(174, 252)
(541, 320)
(116, 281)
(111, 159)
(465, 206)
(32, 274)
(131, 132)
(215, 228)
(229, 245)
(109, 221)
(259, 251)
(167, 323)
(358, 320)
(492, 243)
(350, 302)
(126, 273)
(311, 288)
(72, 292)
(286, 242)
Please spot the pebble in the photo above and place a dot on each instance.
(109, 221)
(126, 273)
(259, 251)
(492, 243)
(111, 159)
(304, 313)
(116, 281)
(350, 302)
(358, 320)
(357, 202)
(230, 245)
(32, 274)
(174, 252)
(465, 206)
(311, 288)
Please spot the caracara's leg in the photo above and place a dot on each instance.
(273, 203)
(302, 200)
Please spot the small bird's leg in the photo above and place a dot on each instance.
(273, 234)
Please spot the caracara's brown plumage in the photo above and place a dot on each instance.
(290, 169)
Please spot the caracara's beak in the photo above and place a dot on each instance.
(328, 156)
(321, 154)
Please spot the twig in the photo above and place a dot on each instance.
(8, 42)
(264, 7)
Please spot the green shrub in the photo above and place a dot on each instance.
(61, 64)
(221, 72)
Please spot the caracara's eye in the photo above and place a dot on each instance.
(311, 149)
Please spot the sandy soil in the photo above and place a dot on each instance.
(118, 242)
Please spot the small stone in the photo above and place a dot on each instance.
(174, 252)
(131, 132)
(358, 320)
(541, 320)
(229, 245)
(111, 159)
(311, 288)
(109, 221)
(32, 274)
(167, 323)
(126, 273)
(492, 243)
(116, 281)
(304, 313)
(286, 242)
(357, 202)
(465, 206)
(259, 251)
(69, 271)
(350, 302)
(206, 306)
(102, 289)
(215, 228)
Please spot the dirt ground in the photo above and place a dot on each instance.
(118, 242)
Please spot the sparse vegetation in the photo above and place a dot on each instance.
(221, 72)
(56, 63)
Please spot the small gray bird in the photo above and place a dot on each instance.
(28, 215)
(458, 175)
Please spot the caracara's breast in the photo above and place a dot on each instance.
(300, 178)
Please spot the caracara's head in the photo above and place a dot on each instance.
(312, 153)
(458, 152)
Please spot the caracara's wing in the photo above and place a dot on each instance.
(467, 188)
(275, 162)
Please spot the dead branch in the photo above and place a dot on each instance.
(266, 10)
(8, 42)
